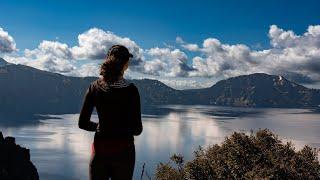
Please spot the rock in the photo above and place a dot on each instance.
(15, 161)
(1, 137)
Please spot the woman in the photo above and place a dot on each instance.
(118, 106)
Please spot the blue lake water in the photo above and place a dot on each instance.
(60, 150)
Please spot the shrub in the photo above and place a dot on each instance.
(257, 156)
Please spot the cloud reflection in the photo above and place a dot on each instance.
(60, 150)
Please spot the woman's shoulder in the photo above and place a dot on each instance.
(94, 84)
(121, 84)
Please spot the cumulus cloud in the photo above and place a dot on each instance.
(191, 47)
(49, 55)
(166, 62)
(7, 43)
(221, 59)
(51, 49)
(85, 70)
(154, 67)
(187, 46)
(94, 44)
(287, 39)
(295, 56)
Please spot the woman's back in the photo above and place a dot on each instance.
(118, 108)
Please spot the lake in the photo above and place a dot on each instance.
(60, 150)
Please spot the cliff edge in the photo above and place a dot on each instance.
(15, 161)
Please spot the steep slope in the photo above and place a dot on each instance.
(153, 92)
(25, 89)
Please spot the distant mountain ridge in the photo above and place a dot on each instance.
(258, 90)
(26, 90)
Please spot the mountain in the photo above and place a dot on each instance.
(26, 90)
(154, 92)
(258, 90)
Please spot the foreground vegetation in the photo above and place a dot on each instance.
(260, 155)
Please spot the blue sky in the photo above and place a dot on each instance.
(152, 24)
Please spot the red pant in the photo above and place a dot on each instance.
(112, 159)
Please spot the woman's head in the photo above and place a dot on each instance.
(116, 63)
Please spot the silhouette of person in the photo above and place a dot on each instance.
(118, 107)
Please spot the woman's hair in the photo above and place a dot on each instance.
(115, 61)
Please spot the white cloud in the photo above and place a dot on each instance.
(7, 43)
(314, 30)
(88, 69)
(166, 62)
(296, 56)
(49, 55)
(50, 48)
(292, 55)
(187, 83)
(154, 67)
(221, 59)
(179, 40)
(59, 57)
(187, 46)
(280, 38)
(94, 44)
(191, 47)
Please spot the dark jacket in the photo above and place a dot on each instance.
(118, 109)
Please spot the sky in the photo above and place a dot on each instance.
(185, 44)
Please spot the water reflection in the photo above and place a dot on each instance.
(61, 151)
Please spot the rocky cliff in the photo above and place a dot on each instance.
(15, 161)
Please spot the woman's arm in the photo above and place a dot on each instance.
(86, 111)
(136, 113)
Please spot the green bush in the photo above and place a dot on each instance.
(258, 156)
